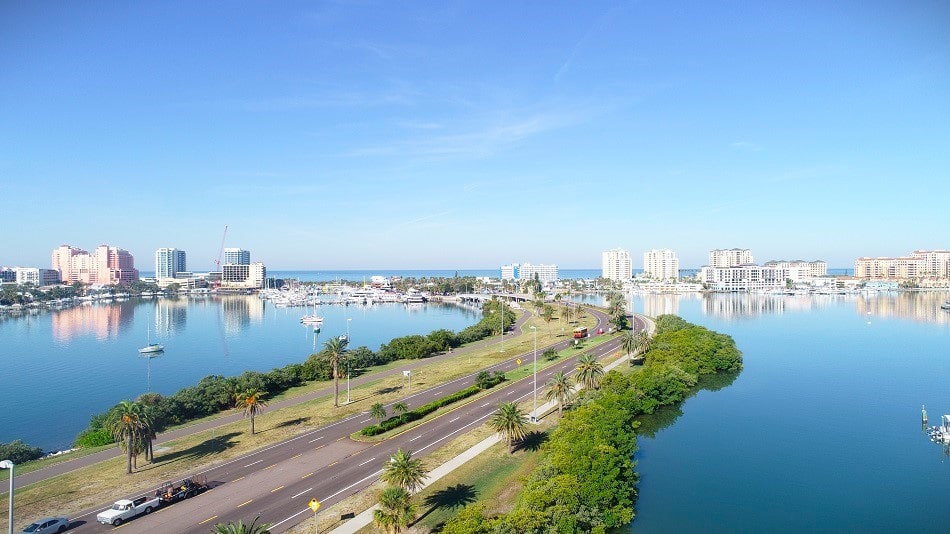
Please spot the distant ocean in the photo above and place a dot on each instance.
(357, 275)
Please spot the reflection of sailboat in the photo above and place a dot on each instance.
(150, 347)
(148, 366)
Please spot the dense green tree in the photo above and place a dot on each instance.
(589, 371)
(404, 471)
(18, 452)
(252, 402)
(510, 423)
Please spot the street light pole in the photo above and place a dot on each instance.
(502, 326)
(534, 413)
(7, 464)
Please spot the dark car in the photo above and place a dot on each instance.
(47, 525)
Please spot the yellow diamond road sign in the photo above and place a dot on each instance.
(314, 505)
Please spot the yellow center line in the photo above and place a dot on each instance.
(334, 463)
(276, 489)
(307, 475)
(236, 479)
(268, 467)
(242, 504)
(120, 526)
(338, 439)
(297, 456)
(212, 518)
(320, 447)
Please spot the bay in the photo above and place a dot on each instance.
(66, 365)
(821, 430)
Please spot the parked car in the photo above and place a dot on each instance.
(47, 525)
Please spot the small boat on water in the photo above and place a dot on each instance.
(311, 319)
(945, 305)
(150, 347)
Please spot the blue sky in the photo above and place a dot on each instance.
(331, 135)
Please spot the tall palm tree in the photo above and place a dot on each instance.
(628, 343)
(560, 390)
(252, 402)
(395, 511)
(336, 348)
(241, 528)
(510, 422)
(378, 412)
(404, 471)
(127, 424)
(589, 371)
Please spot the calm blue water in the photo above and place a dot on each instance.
(71, 364)
(821, 430)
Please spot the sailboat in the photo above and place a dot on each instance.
(314, 319)
(150, 347)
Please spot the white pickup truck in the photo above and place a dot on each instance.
(126, 509)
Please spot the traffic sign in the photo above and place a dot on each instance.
(518, 361)
(314, 505)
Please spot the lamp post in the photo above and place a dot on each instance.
(348, 361)
(502, 326)
(7, 464)
(534, 413)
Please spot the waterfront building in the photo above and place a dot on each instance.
(617, 265)
(107, 265)
(169, 262)
(243, 276)
(730, 257)
(661, 264)
(743, 278)
(510, 272)
(237, 256)
(7, 275)
(920, 265)
(546, 272)
(36, 276)
(799, 270)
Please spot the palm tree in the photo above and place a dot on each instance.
(127, 424)
(378, 412)
(336, 348)
(510, 422)
(400, 408)
(395, 509)
(560, 390)
(252, 402)
(589, 371)
(241, 528)
(404, 471)
(628, 343)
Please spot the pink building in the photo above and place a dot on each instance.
(107, 265)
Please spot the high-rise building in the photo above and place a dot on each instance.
(546, 272)
(920, 264)
(661, 264)
(730, 257)
(617, 265)
(799, 270)
(169, 262)
(510, 272)
(36, 276)
(107, 265)
(745, 277)
(243, 276)
(236, 256)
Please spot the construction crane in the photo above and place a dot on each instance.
(217, 262)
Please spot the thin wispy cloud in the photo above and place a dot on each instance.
(745, 145)
(594, 27)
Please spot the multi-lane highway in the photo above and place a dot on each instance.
(277, 482)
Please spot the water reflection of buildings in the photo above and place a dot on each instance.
(171, 315)
(239, 311)
(101, 320)
(742, 305)
(921, 306)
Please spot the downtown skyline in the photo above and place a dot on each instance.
(471, 135)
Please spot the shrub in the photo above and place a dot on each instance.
(19, 453)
